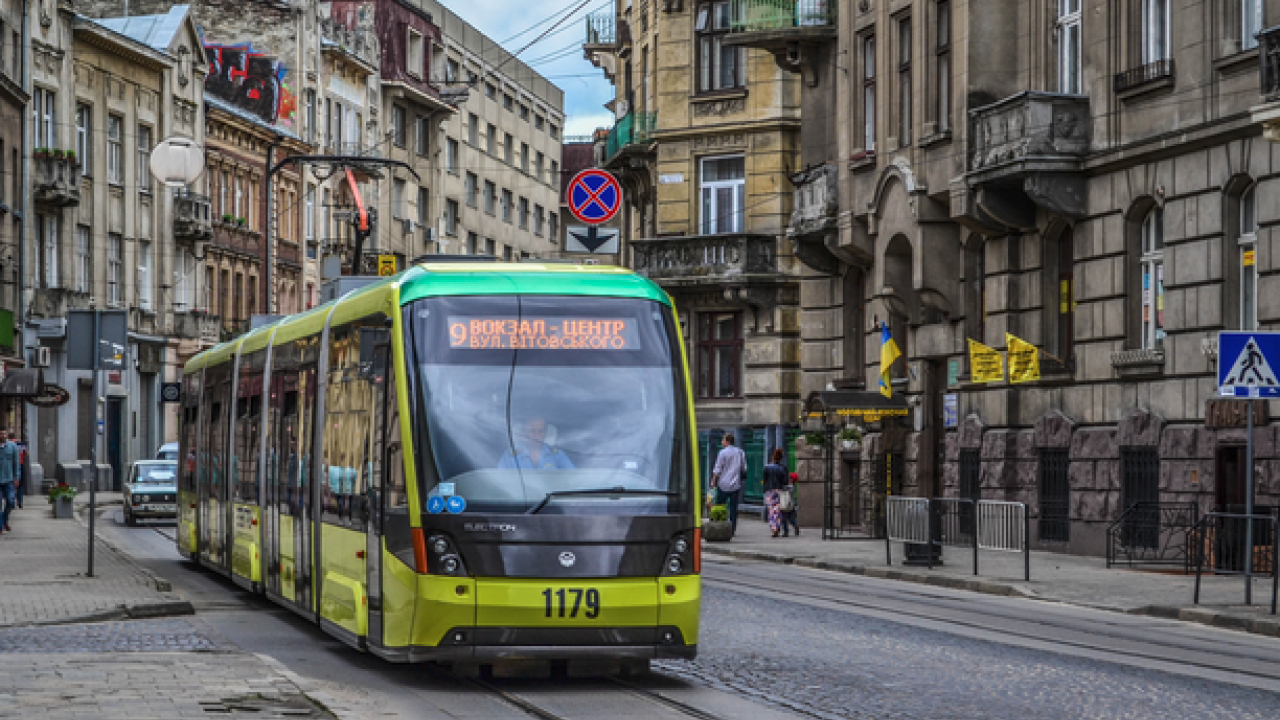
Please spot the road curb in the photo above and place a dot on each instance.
(136, 611)
(1268, 626)
(160, 584)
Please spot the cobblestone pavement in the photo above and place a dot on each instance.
(44, 562)
(830, 664)
(139, 670)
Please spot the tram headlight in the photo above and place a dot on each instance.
(451, 565)
(444, 558)
(439, 545)
(682, 555)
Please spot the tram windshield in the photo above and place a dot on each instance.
(553, 405)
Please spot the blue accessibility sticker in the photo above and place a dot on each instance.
(435, 504)
(457, 504)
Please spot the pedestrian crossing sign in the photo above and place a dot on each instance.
(1247, 363)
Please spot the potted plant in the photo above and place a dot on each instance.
(60, 497)
(71, 157)
(228, 218)
(241, 221)
(59, 154)
(849, 437)
(41, 153)
(718, 528)
(815, 439)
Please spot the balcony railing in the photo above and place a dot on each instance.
(767, 15)
(1269, 61)
(1143, 74)
(634, 129)
(602, 28)
(197, 325)
(56, 181)
(702, 258)
(235, 239)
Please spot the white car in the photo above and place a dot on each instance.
(167, 451)
(152, 491)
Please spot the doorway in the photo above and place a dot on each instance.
(115, 419)
(1230, 484)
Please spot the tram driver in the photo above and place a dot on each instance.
(534, 453)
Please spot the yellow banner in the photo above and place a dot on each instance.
(1024, 360)
(985, 364)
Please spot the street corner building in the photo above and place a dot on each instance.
(338, 139)
(707, 130)
(1092, 180)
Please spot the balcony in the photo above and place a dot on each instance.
(630, 134)
(56, 302)
(1144, 78)
(706, 259)
(288, 253)
(601, 42)
(1028, 146)
(197, 325)
(56, 181)
(795, 31)
(792, 18)
(232, 239)
(813, 231)
(191, 218)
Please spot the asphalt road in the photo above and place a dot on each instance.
(780, 641)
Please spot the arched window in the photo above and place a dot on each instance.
(1151, 263)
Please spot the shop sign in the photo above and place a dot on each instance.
(1222, 414)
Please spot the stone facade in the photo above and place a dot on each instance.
(14, 99)
(103, 232)
(1114, 210)
(706, 135)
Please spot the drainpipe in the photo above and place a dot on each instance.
(24, 195)
(271, 246)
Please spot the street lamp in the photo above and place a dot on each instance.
(177, 161)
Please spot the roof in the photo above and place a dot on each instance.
(214, 101)
(154, 31)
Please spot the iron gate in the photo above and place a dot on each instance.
(1140, 483)
(1055, 496)
(886, 481)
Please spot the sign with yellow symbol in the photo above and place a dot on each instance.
(985, 364)
(1024, 360)
(386, 265)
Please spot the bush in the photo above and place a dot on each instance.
(849, 433)
(719, 513)
(815, 439)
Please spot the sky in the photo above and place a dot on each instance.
(558, 57)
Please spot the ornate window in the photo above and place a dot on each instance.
(719, 354)
(1069, 46)
(1155, 30)
(904, 82)
(720, 66)
(1152, 267)
(869, 93)
(723, 187)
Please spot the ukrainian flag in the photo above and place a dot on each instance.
(888, 353)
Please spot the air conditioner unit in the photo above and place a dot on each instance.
(406, 227)
(428, 234)
(41, 356)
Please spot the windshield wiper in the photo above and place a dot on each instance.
(597, 491)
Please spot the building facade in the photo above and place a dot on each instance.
(707, 133)
(1083, 176)
(105, 233)
(14, 98)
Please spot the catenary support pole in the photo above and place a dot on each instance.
(1248, 511)
(99, 418)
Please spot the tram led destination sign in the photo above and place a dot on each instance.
(560, 333)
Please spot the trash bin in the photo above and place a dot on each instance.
(919, 553)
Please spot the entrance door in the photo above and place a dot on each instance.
(1140, 496)
(1230, 484)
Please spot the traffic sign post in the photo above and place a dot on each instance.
(1246, 368)
(593, 196)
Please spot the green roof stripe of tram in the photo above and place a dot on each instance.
(440, 279)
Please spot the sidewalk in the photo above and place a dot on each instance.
(1072, 579)
(42, 569)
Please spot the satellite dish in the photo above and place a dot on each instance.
(177, 161)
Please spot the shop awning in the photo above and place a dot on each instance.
(841, 406)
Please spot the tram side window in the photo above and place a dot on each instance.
(397, 493)
(187, 463)
(248, 428)
(348, 439)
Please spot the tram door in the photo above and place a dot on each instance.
(376, 374)
(302, 508)
(271, 488)
(211, 473)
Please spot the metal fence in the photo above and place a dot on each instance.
(1153, 533)
(766, 15)
(959, 522)
(1238, 544)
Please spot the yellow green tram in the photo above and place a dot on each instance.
(466, 462)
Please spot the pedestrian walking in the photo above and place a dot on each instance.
(9, 472)
(792, 499)
(727, 477)
(776, 491)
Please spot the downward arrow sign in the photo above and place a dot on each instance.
(592, 239)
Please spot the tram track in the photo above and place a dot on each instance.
(534, 702)
(1120, 643)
